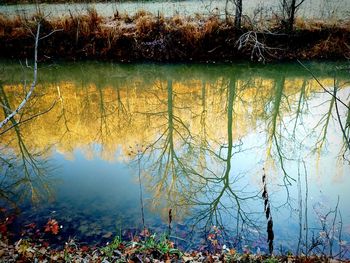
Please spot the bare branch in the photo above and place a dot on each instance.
(24, 101)
(5, 107)
(321, 85)
(54, 31)
(299, 4)
(30, 118)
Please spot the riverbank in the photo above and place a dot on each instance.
(144, 37)
(36, 245)
(144, 251)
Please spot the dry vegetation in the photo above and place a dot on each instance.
(147, 37)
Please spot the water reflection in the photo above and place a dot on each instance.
(205, 136)
(24, 168)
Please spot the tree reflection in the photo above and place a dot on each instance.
(189, 169)
(276, 127)
(24, 171)
(206, 139)
(224, 197)
(191, 172)
(169, 158)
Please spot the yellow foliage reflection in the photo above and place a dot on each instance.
(184, 123)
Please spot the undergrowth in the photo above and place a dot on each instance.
(144, 36)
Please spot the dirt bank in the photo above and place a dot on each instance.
(144, 37)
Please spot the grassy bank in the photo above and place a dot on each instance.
(156, 38)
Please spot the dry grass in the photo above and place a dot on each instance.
(141, 13)
(90, 35)
(211, 26)
(145, 25)
(331, 45)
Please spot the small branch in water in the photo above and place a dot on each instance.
(139, 152)
(265, 196)
(170, 219)
(321, 85)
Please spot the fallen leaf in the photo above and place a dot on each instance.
(52, 226)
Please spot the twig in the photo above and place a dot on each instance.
(54, 31)
(4, 106)
(30, 118)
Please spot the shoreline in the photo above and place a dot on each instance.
(44, 243)
(144, 37)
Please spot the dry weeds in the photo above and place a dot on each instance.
(123, 37)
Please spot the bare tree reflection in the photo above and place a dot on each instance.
(170, 156)
(194, 174)
(274, 134)
(225, 197)
(24, 170)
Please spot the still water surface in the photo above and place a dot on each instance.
(196, 138)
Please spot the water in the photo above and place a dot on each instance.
(200, 137)
(315, 9)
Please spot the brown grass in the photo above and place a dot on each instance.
(211, 26)
(179, 38)
(331, 45)
(145, 25)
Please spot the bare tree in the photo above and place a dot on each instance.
(289, 9)
(238, 16)
(238, 12)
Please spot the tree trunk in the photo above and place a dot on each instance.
(291, 15)
(238, 16)
(226, 11)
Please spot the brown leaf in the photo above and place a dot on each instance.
(52, 226)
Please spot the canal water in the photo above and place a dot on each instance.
(102, 147)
